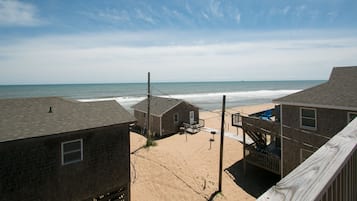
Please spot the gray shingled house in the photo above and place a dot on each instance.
(167, 115)
(57, 149)
(309, 118)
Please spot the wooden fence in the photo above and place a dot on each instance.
(330, 174)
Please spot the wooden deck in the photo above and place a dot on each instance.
(194, 128)
(262, 159)
(265, 152)
(330, 174)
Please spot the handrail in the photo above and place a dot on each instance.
(329, 174)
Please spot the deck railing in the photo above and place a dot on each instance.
(330, 174)
(237, 120)
(265, 160)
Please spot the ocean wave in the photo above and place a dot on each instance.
(206, 98)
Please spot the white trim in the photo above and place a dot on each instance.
(348, 116)
(193, 115)
(301, 150)
(308, 127)
(73, 151)
(316, 105)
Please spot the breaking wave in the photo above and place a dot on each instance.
(209, 100)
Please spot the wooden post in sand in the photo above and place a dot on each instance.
(221, 146)
(148, 111)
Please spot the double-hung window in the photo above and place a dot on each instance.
(308, 118)
(72, 151)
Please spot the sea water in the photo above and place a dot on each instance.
(205, 95)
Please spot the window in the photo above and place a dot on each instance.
(72, 151)
(308, 118)
(144, 115)
(176, 118)
(351, 116)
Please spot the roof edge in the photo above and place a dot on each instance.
(316, 105)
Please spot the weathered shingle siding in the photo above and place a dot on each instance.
(329, 123)
(31, 169)
(183, 110)
(140, 119)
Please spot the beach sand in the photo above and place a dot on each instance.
(185, 167)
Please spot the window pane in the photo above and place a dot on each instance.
(352, 116)
(71, 157)
(71, 146)
(308, 122)
(308, 113)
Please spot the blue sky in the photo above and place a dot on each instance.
(203, 40)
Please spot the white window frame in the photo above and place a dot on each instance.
(77, 150)
(348, 116)
(178, 118)
(301, 154)
(308, 127)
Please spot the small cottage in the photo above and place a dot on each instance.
(167, 115)
(57, 149)
(311, 117)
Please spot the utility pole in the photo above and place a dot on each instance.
(221, 146)
(148, 111)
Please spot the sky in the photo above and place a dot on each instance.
(118, 41)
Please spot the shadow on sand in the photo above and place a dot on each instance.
(255, 182)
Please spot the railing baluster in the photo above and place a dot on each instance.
(329, 174)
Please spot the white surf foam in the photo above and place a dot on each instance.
(203, 98)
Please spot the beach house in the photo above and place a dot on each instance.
(167, 115)
(57, 149)
(304, 121)
(311, 117)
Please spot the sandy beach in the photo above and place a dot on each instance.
(185, 167)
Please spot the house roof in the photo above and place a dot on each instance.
(30, 117)
(339, 92)
(158, 105)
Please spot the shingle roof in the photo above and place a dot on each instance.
(339, 92)
(30, 117)
(158, 105)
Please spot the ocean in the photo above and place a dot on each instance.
(205, 95)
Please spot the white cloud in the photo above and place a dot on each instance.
(332, 15)
(16, 13)
(215, 8)
(205, 15)
(141, 15)
(286, 10)
(238, 18)
(108, 58)
(299, 10)
(114, 15)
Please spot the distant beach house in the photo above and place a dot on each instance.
(167, 115)
(57, 149)
(312, 116)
